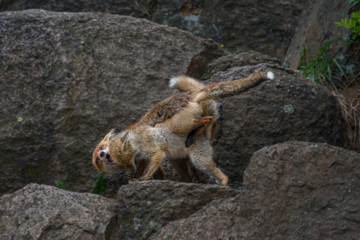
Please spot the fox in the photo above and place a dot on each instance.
(164, 131)
(103, 162)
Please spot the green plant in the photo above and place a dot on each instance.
(354, 2)
(326, 68)
(100, 185)
(60, 184)
(353, 24)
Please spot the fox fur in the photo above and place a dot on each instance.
(162, 132)
(105, 162)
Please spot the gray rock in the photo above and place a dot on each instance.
(316, 25)
(145, 207)
(46, 212)
(66, 79)
(277, 28)
(69, 78)
(308, 190)
(294, 190)
(267, 26)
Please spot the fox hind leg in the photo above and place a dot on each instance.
(159, 174)
(204, 123)
(201, 155)
(188, 119)
(182, 168)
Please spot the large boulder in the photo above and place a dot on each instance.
(287, 108)
(46, 212)
(277, 28)
(267, 26)
(294, 190)
(146, 207)
(316, 25)
(66, 79)
(306, 189)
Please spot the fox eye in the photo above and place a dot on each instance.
(102, 147)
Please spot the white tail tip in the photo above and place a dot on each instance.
(173, 81)
(270, 75)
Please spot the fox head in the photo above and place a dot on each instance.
(123, 152)
(101, 157)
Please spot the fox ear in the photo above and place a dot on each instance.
(109, 135)
(123, 138)
(126, 140)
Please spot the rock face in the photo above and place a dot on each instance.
(316, 25)
(46, 212)
(145, 207)
(277, 28)
(288, 108)
(267, 26)
(309, 189)
(67, 79)
(295, 190)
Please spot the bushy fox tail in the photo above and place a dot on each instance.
(218, 90)
(230, 88)
(186, 84)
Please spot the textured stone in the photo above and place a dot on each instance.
(294, 190)
(145, 207)
(68, 78)
(46, 212)
(265, 26)
(316, 25)
(308, 190)
(277, 28)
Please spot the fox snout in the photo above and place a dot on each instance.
(105, 157)
(104, 154)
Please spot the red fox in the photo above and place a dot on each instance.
(163, 132)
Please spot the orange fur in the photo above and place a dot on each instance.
(161, 133)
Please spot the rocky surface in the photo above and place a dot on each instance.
(63, 92)
(294, 190)
(68, 78)
(310, 189)
(316, 25)
(267, 26)
(46, 212)
(146, 207)
(277, 28)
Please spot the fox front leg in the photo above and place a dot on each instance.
(154, 164)
(141, 167)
